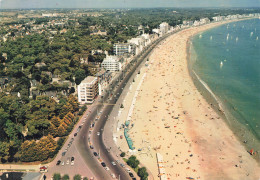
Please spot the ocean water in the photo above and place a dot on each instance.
(227, 60)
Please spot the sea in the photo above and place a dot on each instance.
(225, 65)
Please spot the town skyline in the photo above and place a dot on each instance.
(29, 4)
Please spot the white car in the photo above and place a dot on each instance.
(68, 161)
(72, 163)
(127, 170)
(106, 168)
(113, 176)
(62, 163)
(98, 133)
(113, 163)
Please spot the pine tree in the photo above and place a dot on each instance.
(56, 121)
(53, 130)
(62, 129)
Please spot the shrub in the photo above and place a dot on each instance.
(122, 154)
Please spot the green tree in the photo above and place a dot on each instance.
(3, 117)
(28, 151)
(10, 130)
(133, 162)
(56, 176)
(74, 102)
(77, 177)
(56, 121)
(4, 149)
(142, 173)
(122, 154)
(79, 76)
(46, 147)
(66, 177)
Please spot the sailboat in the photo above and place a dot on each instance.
(221, 64)
(251, 34)
(200, 36)
(257, 38)
(236, 39)
(210, 37)
(227, 36)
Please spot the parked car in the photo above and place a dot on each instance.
(72, 163)
(75, 134)
(103, 164)
(106, 168)
(113, 163)
(72, 158)
(62, 163)
(91, 147)
(68, 161)
(98, 133)
(95, 154)
(127, 170)
(63, 153)
(131, 174)
(58, 162)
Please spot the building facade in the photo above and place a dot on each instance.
(111, 63)
(121, 49)
(88, 90)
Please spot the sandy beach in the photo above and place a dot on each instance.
(172, 118)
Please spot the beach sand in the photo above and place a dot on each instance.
(197, 142)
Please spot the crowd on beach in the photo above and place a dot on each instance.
(171, 117)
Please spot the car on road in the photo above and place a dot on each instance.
(75, 134)
(103, 164)
(131, 174)
(106, 168)
(113, 163)
(44, 169)
(62, 163)
(68, 161)
(58, 162)
(91, 147)
(127, 170)
(63, 153)
(72, 163)
(98, 133)
(95, 154)
(122, 165)
(134, 178)
(72, 158)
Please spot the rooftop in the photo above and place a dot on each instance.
(89, 80)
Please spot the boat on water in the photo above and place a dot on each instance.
(221, 64)
(236, 39)
(210, 37)
(200, 36)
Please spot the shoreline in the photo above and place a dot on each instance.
(191, 153)
(215, 102)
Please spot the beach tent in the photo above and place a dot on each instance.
(127, 123)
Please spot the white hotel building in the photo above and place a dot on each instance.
(111, 63)
(88, 90)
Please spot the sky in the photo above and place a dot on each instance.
(21, 4)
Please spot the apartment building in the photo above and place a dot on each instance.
(88, 90)
(111, 63)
